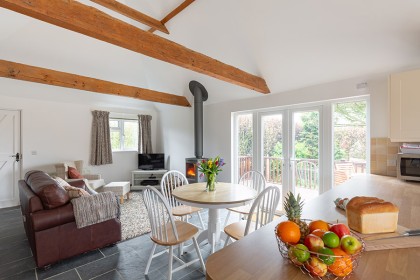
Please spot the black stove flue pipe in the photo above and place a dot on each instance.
(200, 95)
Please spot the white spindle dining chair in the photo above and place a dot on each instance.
(253, 179)
(261, 213)
(168, 232)
(171, 180)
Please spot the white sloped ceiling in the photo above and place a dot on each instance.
(291, 44)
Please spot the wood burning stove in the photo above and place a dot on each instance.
(191, 170)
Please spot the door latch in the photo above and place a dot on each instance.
(17, 157)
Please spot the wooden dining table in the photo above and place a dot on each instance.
(257, 256)
(226, 195)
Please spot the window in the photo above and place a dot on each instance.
(124, 134)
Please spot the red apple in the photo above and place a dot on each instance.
(350, 244)
(313, 242)
(340, 230)
(316, 267)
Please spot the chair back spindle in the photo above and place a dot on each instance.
(253, 179)
(263, 208)
(159, 211)
(170, 181)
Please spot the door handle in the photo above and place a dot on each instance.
(17, 157)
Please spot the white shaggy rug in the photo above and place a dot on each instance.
(134, 219)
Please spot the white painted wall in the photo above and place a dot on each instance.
(175, 135)
(61, 130)
(217, 117)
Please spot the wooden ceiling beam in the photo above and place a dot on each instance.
(172, 14)
(89, 21)
(133, 14)
(40, 75)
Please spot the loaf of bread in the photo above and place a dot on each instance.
(371, 215)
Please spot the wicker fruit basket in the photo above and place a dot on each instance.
(341, 268)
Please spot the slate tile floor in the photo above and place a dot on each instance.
(125, 260)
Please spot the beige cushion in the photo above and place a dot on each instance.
(74, 192)
(61, 182)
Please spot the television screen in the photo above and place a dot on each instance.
(151, 161)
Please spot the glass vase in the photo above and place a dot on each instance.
(211, 182)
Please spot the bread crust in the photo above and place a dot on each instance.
(370, 205)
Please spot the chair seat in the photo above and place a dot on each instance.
(245, 209)
(185, 232)
(183, 210)
(237, 230)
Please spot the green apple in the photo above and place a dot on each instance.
(331, 240)
(292, 256)
(301, 252)
(327, 255)
(350, 244)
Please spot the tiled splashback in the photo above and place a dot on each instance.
(383, 156)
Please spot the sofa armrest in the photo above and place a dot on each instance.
(29, 201)
(83, 184)
(92, 176)
(70, 181)
(79, 183)
(46, 219)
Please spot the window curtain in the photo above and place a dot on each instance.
(101, 152)
(145, 134)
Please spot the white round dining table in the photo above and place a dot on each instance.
(226, 195)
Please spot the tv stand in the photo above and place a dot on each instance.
(142, 178)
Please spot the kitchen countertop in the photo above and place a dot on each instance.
(257, 256)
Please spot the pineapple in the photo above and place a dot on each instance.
(293, 207)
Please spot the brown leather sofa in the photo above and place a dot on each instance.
(50, 225)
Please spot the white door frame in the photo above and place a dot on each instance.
(17, 166)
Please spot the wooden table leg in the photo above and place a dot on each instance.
(121, 199)
(128, 195)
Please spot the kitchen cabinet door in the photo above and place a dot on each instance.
(404, 105)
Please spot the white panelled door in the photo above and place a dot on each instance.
(10, 166)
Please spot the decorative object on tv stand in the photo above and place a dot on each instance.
(210, 168)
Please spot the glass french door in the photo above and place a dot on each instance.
(293, 147)
(244, 151)
(350, 136)
(272, 160)
(305, 151)
(289, 154)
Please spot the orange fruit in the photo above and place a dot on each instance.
(342, 266)
(318, 224)
(319, 232)
(288, 232)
